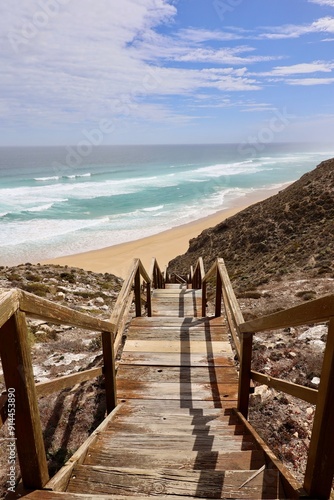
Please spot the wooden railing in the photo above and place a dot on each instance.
(320, 465)
(223, 290)
(197, 274)
(18, 369)
(156, 276)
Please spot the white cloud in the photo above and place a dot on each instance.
(310, 81)
(322, 25)
(329, 3)
(301, 68)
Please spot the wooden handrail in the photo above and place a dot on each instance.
(9, 304)
(55, 313)
(295, 390)
(313, 311)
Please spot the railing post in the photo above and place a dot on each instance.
(320, 464)
(148, 300)
(203, 299)
(245, 372)
(137, 293)
(109, 370)
(19, 379)
(218, 304)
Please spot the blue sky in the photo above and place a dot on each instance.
(166, 71)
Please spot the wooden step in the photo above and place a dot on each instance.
(180, 346)
(182, 460)
(184, 391)
(176, 442)
(202, 484)
(176, 333)
(174, 359)
(174, 286)
(222, 375)
(189, 322)
(158, 408)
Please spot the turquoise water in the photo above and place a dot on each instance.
(60, 200)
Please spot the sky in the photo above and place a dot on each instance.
(166, 71)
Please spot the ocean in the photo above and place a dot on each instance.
(57, 201)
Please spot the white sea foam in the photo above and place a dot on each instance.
(153, 209)
(46, 179)
(40, 208)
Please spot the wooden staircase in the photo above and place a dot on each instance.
(174, 433)
(176, 424)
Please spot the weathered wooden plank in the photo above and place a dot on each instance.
(122, 321)
(23, 412)
(173, 359)
(222, 375)
(9, 304)
(177, 442)
(189, 322)
(314, 311)
(172, 333)
(45, 309)
(183, 346)
(58, 495)
(61, 383)
(184, 391)
(298, 391)
(187, 460)
(204, 484)
(159, 428)
(156, 408)
(164, 292)
(109, 370)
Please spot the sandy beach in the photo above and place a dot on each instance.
(164, 246)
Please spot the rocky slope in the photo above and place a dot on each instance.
(290, 232)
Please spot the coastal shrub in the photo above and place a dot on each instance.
(306, 294)
(70, 277)
(32, 277)
(37, 288)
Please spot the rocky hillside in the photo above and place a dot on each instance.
(291, 231)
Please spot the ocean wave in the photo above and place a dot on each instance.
(59, 177)
(46, 179)
(40, 230)
(76, 176)
(153, 209)
(40, 208)
(220, 169)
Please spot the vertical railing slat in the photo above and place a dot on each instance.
(219, 293)
(19, 379)
(137, 293)
(109, 370)
(320, 464)
(246, 343)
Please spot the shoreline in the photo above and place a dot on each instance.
(164, 246)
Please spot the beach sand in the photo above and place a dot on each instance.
(163, 246)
